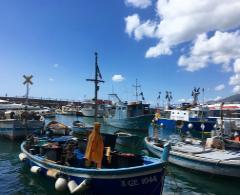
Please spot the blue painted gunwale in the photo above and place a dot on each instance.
(154, 165)
(109, 181)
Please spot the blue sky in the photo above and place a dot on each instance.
(55, 41)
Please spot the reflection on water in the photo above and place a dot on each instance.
(17, 179)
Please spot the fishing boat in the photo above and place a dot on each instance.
(6, 105)
(210, 158)
(195, 118)
(18, 124)
(134, 115)
(81, 129)
(126, 139)
(125, 173)
(230, 112)
(57, 128)
(69, 109)
(88, 108)
(47, 112)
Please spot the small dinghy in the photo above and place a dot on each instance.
(194, 156)
(57, 128)
(118, 173)
(126, 139)
(81, 130)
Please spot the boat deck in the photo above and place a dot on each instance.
(221, 155)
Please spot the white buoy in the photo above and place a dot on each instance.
(161, 125)
(190, 125)
(53, 173)
(22, 156)
(61, 184)
(73, 187)
(35, 169)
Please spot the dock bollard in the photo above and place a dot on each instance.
(166, 151)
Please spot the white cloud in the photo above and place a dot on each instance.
(219, 87)
(222, 48)
(234, 80)
(117, 78)
(181, 100)
(132, 22)
(55, 65)
(139, 3)
(181, 21)
(157, 50)
(51, 79)
(236, 66)
(236, 89)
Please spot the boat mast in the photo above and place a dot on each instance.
(136, 89)
(96, 81)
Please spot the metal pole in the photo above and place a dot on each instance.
(27, 94)
(96, 87)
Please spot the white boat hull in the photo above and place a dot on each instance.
(91, 112)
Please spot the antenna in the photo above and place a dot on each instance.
(28, 80)
(136, 86)
(158, 99)
(203, 94)
(195, 94)
(97, 80)
(168, 97)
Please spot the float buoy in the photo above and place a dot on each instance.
(53, 173)
(22, 156)
(190, 125)
(61, 184)
(35, 169)
(73, 187)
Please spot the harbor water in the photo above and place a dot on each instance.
(17, 179)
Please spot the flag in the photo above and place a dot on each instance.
(99, 73)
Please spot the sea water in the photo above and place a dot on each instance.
(15, 178)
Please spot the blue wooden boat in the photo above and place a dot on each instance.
(194, 156)
(189, 119)
(132, 115)
(147, 178)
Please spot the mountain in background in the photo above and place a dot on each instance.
(230, 99)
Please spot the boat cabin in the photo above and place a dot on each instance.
(131, 109)
(185, 115)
